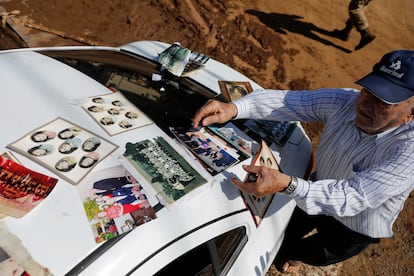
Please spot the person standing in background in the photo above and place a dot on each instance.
(357, 19)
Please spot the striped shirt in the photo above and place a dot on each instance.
(362, 180)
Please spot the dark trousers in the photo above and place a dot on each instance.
(333, 242)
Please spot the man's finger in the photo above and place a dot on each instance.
(210, 119)
(197, 120)
(237, 182)
(245, 186)
(252, 169)
(202, 113)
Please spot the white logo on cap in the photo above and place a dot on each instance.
(396, 65)
(393, 69)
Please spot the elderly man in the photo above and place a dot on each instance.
(365, 163)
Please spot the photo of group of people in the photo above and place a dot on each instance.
(237, 138)
(21, 189)
(64, 148)
(115, 113)
(114, 203)
(167, 174)
(216, 153)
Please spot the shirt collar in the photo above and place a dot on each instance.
(392, 132)
(379, 137)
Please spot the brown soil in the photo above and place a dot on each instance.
(279, 44)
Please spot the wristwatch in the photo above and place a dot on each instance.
(292, 186)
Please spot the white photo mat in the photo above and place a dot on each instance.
(115, 113)
(68, 150)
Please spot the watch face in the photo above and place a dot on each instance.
(251, 177)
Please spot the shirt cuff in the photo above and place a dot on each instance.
(242, 108)
(301, 189)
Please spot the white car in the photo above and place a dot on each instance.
(213, 233)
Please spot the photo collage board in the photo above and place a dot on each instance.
(115, 113)
(64, 148)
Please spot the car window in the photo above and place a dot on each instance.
(166, 99)
(171, 101)
(213, 257)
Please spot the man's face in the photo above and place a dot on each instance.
(374, 116)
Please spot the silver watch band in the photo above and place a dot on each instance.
(292, 186)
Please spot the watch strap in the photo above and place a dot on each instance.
(292, 186)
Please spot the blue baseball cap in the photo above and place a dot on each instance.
(392, 78)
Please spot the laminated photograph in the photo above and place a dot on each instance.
(114, 203)
(237, 138)
(64, 148)
(234, 90)
(163, 172)
(215, 153)
(259, 205)
(181, 61)
(15, 259)
(175, 58)
(115, 113)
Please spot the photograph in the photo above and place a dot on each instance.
(165, 173)
(9, 155)
(215, 152)
(64, 148)
(15, 259)
(237, 138)
(8, 266)
(233, 90)
(175, 58)
(114, 202)
(22, 189)
(259, 205)
(115, 113)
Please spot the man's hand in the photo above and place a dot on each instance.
(214, 112)
(267, 181)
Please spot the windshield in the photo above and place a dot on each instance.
(166, 99)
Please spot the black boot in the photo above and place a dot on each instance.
(344, 33)
(366, 37)
(341, 34)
